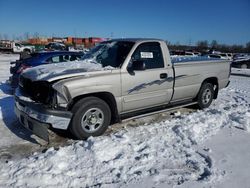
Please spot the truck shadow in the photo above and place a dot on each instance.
(9, 118)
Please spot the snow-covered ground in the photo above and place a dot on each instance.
(241, 72)
(196, 149)
(10, 131)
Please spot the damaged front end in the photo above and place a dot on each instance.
(37, 108)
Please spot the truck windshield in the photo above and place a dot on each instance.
(17, 44)
(111, 53)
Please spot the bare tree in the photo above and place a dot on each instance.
(202, 45)
(248, 47)
(214, 44)
(168, 42)
(36, 35)
(5, 36)
(26, 35)
(20, 38)
(14, 37)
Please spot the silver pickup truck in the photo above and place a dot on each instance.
(117, 79)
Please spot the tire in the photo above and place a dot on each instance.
(243, 66)
(205, 95)
(24, 55)
(27, 51)
(91, 117)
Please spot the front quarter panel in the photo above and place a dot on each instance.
(104, 81)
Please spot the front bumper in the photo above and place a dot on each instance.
(37, 118)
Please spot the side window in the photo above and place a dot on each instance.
(49, 60)
(151, 54)
(55, 59)
(17, 45)
(73, 58)
(66, 58)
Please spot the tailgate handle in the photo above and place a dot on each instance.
(163, 75)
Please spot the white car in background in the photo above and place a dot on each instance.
(192, 54)
(228, 56)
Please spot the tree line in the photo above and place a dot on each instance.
(201, 46)
(204, 45)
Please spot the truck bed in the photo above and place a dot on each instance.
(190, 73)
(193, 59)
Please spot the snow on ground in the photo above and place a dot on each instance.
(7, 104)
(173, 152)
(241, 72)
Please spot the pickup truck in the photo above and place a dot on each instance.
(118, 79)
(15, 47)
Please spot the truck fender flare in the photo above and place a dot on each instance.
(107, 97)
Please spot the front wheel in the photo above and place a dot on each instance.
(91, 118)
(206, 95)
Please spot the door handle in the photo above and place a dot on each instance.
(163, 75)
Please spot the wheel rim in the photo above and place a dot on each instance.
(92, 120)
(206, 97)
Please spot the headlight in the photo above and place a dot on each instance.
(42, 92)
(62, 94)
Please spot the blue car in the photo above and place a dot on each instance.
(40, 58)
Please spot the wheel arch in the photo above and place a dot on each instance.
(105, 96)
(27, 50)
(214, 81)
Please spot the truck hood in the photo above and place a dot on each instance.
(56, 71)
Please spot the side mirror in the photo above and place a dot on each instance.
(138, 65)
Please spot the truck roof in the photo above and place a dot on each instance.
(135, 39)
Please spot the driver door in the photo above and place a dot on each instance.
(149, 87)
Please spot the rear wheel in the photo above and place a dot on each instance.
(91, 118)
(206, 95)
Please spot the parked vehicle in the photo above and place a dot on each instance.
(180, 53)
(177, 53)
(240, 56)
(228, 56)
(192, 54)
(15, 47)
(55, 46)
(40, 58)
(241, 62)
(118, 79)
(214, 56)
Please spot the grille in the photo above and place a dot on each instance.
(39, 91)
